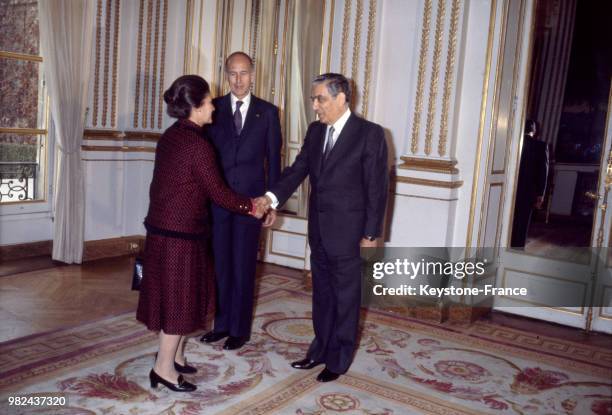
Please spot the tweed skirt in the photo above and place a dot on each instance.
(177, 293)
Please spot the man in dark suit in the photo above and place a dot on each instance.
(345, 158)
(246, 134)
(531, 187)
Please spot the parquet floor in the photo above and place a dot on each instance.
(36, 300)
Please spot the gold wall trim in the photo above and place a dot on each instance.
(428, 182)
(435, 70)
(121, 160)
(188, 35)
(107, 37)
(21, 56)
(449, 76)
(483, 109)
(154, 97)
(199, 42)
(418, 105)
(281, 98)
(160, 111)
(368, 59)
(103, 134)
(115, 63)
(142, 136)
(23, 131)
(432, 165)
(138, 63)
(96, 87)
(525, 95)
(145, 94)
(330, 34)
(123, 149)
(216, 84)
(345, 28)
(357, 42)
(115, 135)
(496, 95)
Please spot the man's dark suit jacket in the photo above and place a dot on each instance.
(243, 158)
(348, 196)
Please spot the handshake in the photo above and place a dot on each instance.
(261, 209)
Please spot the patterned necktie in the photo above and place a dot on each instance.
(328, 145)
(238, 118)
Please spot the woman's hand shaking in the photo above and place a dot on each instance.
(261, 205)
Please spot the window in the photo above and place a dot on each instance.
(23, 105)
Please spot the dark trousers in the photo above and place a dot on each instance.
(336, 301)
(520, 226)
(235, 244)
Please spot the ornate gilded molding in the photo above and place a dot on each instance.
(23, 131)
(122, 149)
(357, 42)
(162, 70)
(94, 113)
(199, 42)
(329, 35)
(431, 165)
(368, 59)
(90, 134)
(115, 63)
(428, 182)
(141, 136)
(433, 84)
(145, 96)
(416, 123)
(188, 35)
(154, 69)
(345, 28)
(107, 38)
(20, 56)
(116, 135)
(481, 125)
(138, 63)
(448, 76)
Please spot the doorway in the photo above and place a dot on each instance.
(557, 223)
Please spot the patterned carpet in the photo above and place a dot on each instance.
(402, 367)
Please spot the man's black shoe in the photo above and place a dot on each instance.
(212, 336)
(233, 343)
(327, 375)
(304, 364)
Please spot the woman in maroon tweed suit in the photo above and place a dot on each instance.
(177, 291)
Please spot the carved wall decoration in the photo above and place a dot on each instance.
(439, 69)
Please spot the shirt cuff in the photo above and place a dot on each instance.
(274, 204)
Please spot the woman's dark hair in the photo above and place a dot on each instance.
(185, 93)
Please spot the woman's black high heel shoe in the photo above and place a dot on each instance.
(181, 386)
(186, 368)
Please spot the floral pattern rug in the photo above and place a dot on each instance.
(403, 366)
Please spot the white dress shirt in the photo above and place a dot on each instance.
(246, 101)
(338, 126)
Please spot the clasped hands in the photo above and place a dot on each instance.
(262, 206)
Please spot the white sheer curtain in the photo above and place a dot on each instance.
(66, 40)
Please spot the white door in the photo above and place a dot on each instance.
(568, 282)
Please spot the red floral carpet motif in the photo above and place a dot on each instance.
(402, 367)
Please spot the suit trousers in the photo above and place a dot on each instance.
(235, 245)
(336, 303)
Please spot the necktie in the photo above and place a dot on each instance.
(330, 142)
(328, 145)
(238, 118)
